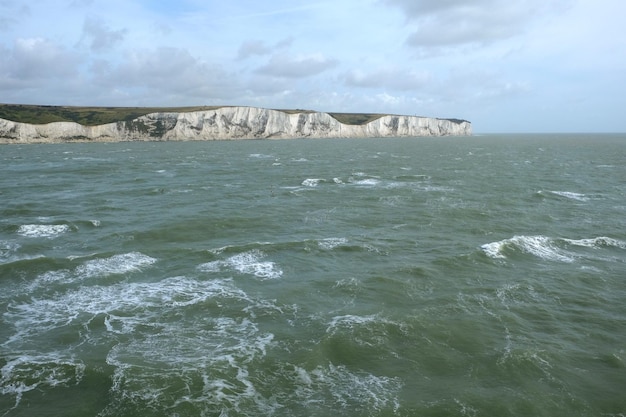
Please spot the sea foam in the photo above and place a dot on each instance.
(116, 264)
(540, 246)
(552, 249)
(250, 263)
(571, 195)
(42, 230)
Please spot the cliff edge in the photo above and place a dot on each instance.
(228, 123)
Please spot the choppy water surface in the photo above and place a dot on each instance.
(476, 276)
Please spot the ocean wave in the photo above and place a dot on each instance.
(361, 392)
(540, 246)
(367, 182)
(116, 264)
(8, 250)
(120, 309)
(219, 349)
(566, 194)
(350, 321)
(94, 268)
(332, 242)
(250, 263)
(544, 247)
(597, 242)
(571, 195)
(312, 182)
(26, 373)
(42, 230)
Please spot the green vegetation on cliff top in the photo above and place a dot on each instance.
(92, 116)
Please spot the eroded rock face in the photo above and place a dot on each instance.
(228, 123)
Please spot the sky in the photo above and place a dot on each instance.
(506, 66)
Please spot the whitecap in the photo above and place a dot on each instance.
(42, 230)
(312, 182)
(116, 264)
(332, 242)
(350, 321)
(540, 246)
(367, 182)
(250, 263)
(597, 242)
(571, 195)
(494, 249)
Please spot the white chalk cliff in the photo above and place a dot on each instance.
(231, 123)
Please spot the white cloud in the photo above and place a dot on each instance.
(401, 79)
(259, 47)
(170, 73)
(441, 23)
(284, 65)
(37, 60)
(99, 36)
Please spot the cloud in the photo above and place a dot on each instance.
(389, 78)
(100, 37)
(36, 60)
(250, 48)
(257, 47)
(6, 23)
(10, 14)
(167, 74)
(449, 23)
(285, 66)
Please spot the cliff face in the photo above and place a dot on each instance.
(230, 123)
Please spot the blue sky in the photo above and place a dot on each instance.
(522, 66)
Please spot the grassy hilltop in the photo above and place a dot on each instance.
(91, 116)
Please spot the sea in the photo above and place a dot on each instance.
(451, 276)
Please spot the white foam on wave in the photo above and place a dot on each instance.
(571, 195)
(351, 321)
(360, 392)
(116, 264)
(332, 242)
(42, 230)
(125, 306)
(367, 182)
(540, 246)
(548, 248)
(94, 268)
(26, 373)
(213, 348)
(219, 354)
(597, 242)
(312, 182)
(246, 263)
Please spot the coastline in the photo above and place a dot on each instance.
(231, 123)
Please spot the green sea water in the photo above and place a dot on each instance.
(474, 276)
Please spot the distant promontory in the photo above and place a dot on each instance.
(57, 124)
